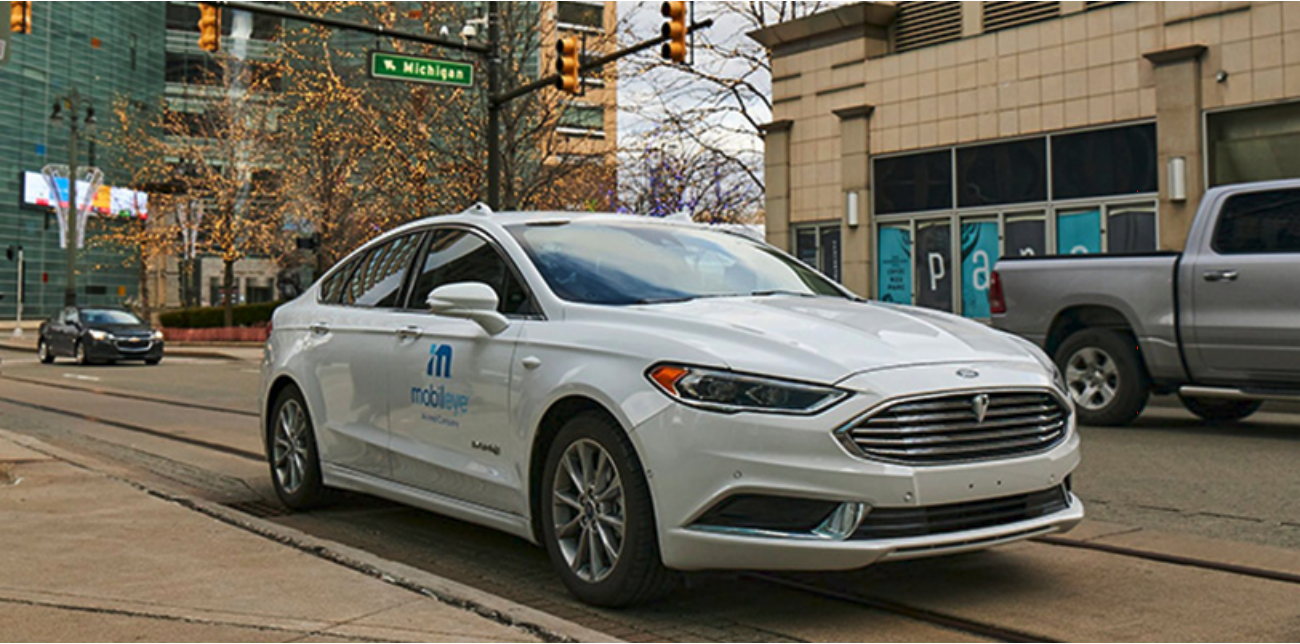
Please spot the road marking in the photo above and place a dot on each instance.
(77, 376)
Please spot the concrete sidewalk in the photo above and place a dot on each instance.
(90, 557)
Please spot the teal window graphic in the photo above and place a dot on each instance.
(1078, 233)
(979, 251)
(894, 277)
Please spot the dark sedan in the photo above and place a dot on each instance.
(99, 334)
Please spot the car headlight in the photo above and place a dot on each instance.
(729, 392)
(157, 335)
(1044, 360)
(100, 336)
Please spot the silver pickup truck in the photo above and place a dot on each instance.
(1218, 324)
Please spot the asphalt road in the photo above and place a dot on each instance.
(1169, 473)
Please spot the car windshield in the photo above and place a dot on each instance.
(108, 316)
(646, 263)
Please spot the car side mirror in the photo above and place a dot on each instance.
(471, 301)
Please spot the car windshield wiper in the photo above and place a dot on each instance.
(781, 292)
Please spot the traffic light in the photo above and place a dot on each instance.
(567, 64)
(209, 28)
(674, 30)
(20, 17)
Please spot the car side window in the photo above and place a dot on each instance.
(460, 256)
(377, 282)
(1259, 222)
(331, 291)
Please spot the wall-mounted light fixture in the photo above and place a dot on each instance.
(851, 208)
(1221, 76)
(1177, 179)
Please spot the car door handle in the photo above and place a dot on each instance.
(531, 362)
(409, 333)
(1220, 276)
(320, 328)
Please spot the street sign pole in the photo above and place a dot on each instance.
(494, 108)
(22, 277)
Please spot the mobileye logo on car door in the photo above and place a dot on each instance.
(436, 397)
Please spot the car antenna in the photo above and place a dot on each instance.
(479, 208)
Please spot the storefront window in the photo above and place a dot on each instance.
(914, 183)
(1078, 233)
(1257, 144)
(979, 250)
(1118, 161)
(1131, 229)
(1026, 235)
(818, 245)
(894, 263)
(1002, 173)
(933, 264)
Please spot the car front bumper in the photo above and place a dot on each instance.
(697, 461)
(122, 349)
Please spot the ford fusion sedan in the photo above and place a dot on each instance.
(644, 397)
(98, 334)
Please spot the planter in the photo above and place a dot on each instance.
(217, 334)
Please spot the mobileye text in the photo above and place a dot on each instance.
(440, 398)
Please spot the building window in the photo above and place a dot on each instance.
(818, 245)
(588, 15)
(1002, 173)
(1116, 161)
(1257, 144)
(914, 183)
(583, 120)
(938, 250)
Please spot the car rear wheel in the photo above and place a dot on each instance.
(1104, 376)
(43, 351)
(1220, 409)
(292, 454)
(597, 519)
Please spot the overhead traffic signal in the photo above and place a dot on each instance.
(20, 17)
(674, 30)
(209, 28)
(567, 64)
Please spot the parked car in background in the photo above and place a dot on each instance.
(642, 397)
(91, 334)
(1218, 324)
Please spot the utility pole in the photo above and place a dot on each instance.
(494, 107)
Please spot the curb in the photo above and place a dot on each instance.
(540, 624)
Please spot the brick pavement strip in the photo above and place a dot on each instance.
(86, 548)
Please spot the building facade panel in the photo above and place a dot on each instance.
(1044, 134)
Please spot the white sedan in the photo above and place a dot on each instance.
(643, 397)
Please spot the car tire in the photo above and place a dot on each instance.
(592, 450)
(79, 353)
(153, 361)
(1220, 410)
(292, 455)
(43, 352)
(1104, 376)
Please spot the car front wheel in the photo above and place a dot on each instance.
(79, 352)
(43, 351)
(292, 454)
(1104, 375)
(597, 519)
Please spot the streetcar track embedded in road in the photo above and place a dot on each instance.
(131, 396)
(951, 622)
(195, 442)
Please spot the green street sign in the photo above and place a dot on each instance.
(420, 70)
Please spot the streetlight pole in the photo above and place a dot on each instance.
(73, 103)
(494, 107)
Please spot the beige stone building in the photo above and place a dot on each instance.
(915, 143)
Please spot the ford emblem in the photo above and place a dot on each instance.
(968, 373)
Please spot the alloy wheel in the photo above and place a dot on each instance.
(589, 510)
(1092, 378)
(290, 449)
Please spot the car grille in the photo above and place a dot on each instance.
(899, 523)
(947, 429)
(134, 344)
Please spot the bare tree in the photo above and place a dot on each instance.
(715, 105)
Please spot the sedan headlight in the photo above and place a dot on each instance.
(157, 335)
(100, 336)
(729, 392)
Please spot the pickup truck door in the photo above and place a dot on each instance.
(1243, 317)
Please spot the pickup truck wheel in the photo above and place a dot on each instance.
(1220, 409)
(1104, 375)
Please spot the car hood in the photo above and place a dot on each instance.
(824, 339)
(123, 330)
